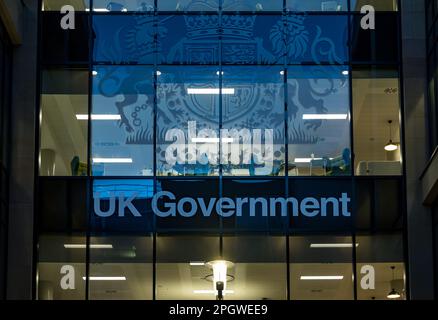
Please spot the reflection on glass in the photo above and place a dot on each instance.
(317, 5)
(125, 38)
(123, 5)
(380, 267)
(122, 121)
(321, 268)
(120, 268)
(376, 111)
(63, 136)
(188, 5)
(188, 121)
(122, 205)
(318, 121)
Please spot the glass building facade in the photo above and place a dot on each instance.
(170, 132)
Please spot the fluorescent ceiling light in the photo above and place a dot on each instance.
(342, 116)
(332, 245)
(197, 263)
(212, 291)
(99, 10)
(321, 277)
(112, 160)
(92, 246)
(106, 278)
(212, 140)
(209, 90)
(99, 117)
(305, 160)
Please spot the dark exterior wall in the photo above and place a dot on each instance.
(22, 153)
(419, 220)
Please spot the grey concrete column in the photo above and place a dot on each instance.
(23, 115)
(419, 219)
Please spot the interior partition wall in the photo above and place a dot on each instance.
(153, 112)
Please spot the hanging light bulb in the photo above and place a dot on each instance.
(390, 146)
(220, 268)
(393, 294)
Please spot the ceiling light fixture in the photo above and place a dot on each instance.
(321, 277)
(98, 10)
(197, 263)
(112, 160)
(92, 246)
(99, 117)
(210, 91)
(342, 116)
(393, 294)
(332, 245)
(390, 146)
(105, 278)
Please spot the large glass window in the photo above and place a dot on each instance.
(63, 123)
(203, 100)
(253, 118)
(321, 268)
(318, 121)
(188, 110)
(376, 121)
(120, 267)
(122, 121)
(380, 267)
